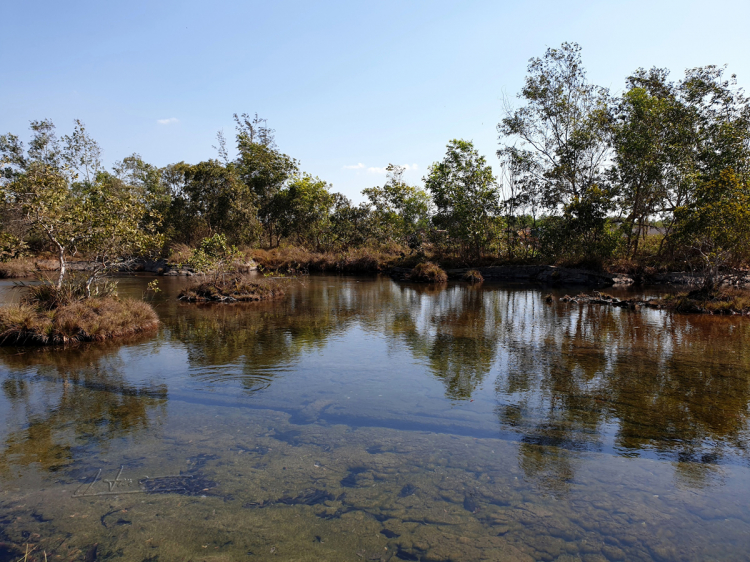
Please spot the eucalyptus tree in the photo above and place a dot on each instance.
(557, 142)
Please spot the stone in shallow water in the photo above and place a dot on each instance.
(470, 502)
(407, 491)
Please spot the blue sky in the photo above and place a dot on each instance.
(348, 86)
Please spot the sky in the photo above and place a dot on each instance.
(349, 87)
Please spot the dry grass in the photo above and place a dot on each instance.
(179, 253)
(14, 269)
(356, 260)
(88, 320)
(473, 276)
(722, 301)
(238, 288)
(428, 272)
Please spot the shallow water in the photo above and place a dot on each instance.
(360, 419)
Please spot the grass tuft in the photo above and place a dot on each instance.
(722, 301)
(96, 319)
(473, 276)
(428, 272)
(236, 288)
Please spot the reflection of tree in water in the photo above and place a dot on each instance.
(453, 330)
(678, 389)
(73, 401)
(264, 338)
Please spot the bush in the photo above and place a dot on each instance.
(428, 272)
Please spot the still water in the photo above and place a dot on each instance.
(361, 419)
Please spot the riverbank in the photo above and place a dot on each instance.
(95, 319)
(368, 261)
(725, 301)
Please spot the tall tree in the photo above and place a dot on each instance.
(562, 130)
(466, 196)
(262, 168)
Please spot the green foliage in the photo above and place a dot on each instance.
(262, 169)
(62, 193)
(562, 129)
(214, 255)
(466, 196)
(11, 247)
(400, 212)
(302, 210)
(716, 225)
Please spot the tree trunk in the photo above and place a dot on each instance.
(61, 261)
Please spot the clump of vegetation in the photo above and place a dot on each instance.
(473, 276)
(428, 272)
(234, 288)
(354, 260)
(716, 301)
(78, 321)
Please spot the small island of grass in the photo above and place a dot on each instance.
(233, 288)
(33, 322)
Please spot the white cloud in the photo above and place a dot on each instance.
(380, 171)
(169, 121)
(354, 167)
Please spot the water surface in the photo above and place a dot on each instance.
(361, 419)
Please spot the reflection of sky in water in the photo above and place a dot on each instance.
(564, 391)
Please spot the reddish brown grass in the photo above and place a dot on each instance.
(428, 272)
(237, 288)
(88, 320)
(355, 260)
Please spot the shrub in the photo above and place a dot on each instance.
(428, 272)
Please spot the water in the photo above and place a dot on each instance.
(360, 419)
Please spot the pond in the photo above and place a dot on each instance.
(362, 419)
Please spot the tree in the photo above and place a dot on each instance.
(562, 129)
(212, 195)
(400, 210)
(716, 225)
(466, 195)
(349, 225)
(262, 168)
(302, 209)
(62, 193)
